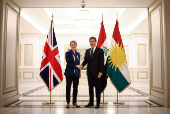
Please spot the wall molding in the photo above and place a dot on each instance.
(82, 35)
(24, 72)
(156, 91)
(145, 55)
(12, 88)
(29, 25)
(138, 72)
(25, 56)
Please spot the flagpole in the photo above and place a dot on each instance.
(117, 102)
(50, 102)
(104, 102)
(50, 97)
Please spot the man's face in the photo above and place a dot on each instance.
(92, 43)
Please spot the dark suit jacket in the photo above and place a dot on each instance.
(69, 71)
(96, 64)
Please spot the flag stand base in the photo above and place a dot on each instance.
(105, 102)
(50, 103)
(118, 103)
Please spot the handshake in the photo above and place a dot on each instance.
(79, 66)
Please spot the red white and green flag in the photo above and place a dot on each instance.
(103, 44)
(117, 68)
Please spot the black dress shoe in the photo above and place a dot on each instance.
(89, 104)
(97, 106)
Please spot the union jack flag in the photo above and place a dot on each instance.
(50, 69)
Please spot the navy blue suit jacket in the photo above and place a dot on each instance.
(69, 71)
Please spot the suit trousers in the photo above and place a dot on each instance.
(69, 80)
(94, 81)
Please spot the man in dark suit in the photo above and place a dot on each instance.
(94, 57)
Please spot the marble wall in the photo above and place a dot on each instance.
(31, 50)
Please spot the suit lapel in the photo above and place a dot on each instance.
(95, 52)
(89, 56)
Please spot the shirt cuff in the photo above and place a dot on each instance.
(100, 72)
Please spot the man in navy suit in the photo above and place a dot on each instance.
(94, 57)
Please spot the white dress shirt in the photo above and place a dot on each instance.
(93, 50)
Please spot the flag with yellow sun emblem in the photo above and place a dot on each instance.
(117, 68)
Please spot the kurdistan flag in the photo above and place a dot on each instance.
(117, 68)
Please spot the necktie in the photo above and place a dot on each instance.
(92, 53)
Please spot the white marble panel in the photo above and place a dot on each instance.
(28, 75)
(28, 54)
(142, 75)
(11, 39)
(141, 54)
(156, 48)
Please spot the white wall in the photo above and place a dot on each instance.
(138, 72)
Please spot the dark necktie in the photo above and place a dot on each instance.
(92, 53)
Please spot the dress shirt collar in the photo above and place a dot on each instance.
(93, 49)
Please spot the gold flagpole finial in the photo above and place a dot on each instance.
(52, 16)
(102, 16)
(117, 16)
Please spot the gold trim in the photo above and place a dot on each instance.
(25, 56)
(115, 86)
(157, 90)
(12, 8)
(153, 3)
(28, 72)
(156, 7)
(84, 10)
(157, 97)
(15, 4)
(15, 87)
(142, 72)
(9, 97)
(10, 91)
(145, 55)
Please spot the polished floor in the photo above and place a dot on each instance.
(33, 98)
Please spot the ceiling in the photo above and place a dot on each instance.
(88, 3)
(68, 20)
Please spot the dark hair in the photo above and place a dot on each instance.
(92, 38)
(73, 41)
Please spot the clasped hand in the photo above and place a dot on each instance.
(79, 66)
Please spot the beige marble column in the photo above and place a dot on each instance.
(166, 34)
(9, 51)
(2, 16)
(159, 27)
